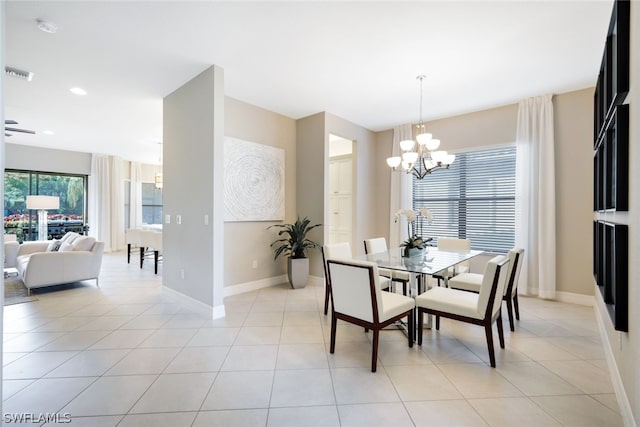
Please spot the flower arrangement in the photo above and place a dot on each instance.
(414, 241)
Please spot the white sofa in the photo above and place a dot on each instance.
(11, 247)
(78, 258)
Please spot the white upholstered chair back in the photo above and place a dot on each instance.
(132, 236)
(353, 285)
(487, 282)
(150, 239)
(338, 251)
(453, 244)
(513, 254)
(375, 246)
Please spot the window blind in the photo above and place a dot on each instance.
(473, 199)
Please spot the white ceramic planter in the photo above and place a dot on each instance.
(298, 272)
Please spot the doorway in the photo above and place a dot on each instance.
(340, 189)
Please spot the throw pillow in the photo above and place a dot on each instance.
(54, 246)
(69, 237)
(83, 243)
(65, 247)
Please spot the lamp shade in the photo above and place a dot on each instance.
(43, 202)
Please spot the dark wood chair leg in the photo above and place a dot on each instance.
(500, 331)
(420, 320)
(141, 256)
(334, 323)
(374, 355)
(128, 253)
(156, 254)
(510, 314)
(437, 323)
(404, 288)
(327, 295)
(515, 305)
(492, 356)
(412, 325)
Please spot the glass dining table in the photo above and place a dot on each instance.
(426, 263)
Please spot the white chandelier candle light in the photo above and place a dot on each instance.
(421, 157)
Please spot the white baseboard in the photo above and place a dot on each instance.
(618, 386)
(572, 298)
(195, 305)
(253, 286)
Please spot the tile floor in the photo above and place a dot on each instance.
(128, 355)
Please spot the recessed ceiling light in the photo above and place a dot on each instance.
(46, 26)
(78, 91)
(48, 132)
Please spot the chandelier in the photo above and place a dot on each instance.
(421, 157)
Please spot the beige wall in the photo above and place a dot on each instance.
(193, 133)
(625, 347)
(42, 159)
(573, 116)
(251, 123)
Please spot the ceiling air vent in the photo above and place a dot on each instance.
(20, 74)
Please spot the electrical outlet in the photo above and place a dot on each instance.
(255, 263)
(182, 273)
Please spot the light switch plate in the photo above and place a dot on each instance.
(167, 219)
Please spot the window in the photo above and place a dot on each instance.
(151, 204)
(71, 189)
(473, 199)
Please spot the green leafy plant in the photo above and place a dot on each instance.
(295, 245)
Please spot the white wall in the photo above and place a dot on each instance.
(193, 133)
(26, 157)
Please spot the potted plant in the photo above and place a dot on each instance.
(414, 244)
(294, 244)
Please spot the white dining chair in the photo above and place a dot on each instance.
(379, 245)
(357, 298)
(340, 251)
(482, 308)
(453, 244)
(473, 282)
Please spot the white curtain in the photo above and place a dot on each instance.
(401, 196)
(135, 194)
(106, 202)
(535, 196)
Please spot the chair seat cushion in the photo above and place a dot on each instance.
(451, 272)
(467, 282)
(384, 282)
(397, 275)
(394, 304)
(450, 301)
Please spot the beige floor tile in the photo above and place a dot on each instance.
(350, 355)
(449, 351)
(302, 356)
(142, 361)
(151, 321)
(77, 340)
(105, 323)
(185, 321)
(582, 347)
(11, 357)
(263, 306)
(535, 380)
(258, 335)
(169, 338)
(175, 393)
(110, 395)
(106, 421)
(30, 341)
(392, 353)
(122, 339)
(302, 318)
(250, 358)
(180, 419)
(45, 395)
(198, 359)
(444, 413)
(421, 383)
(234, 418)
(36, 365)
(93, 363)
(208, 337)
(608, 400)
(240, 390)
(541, 349)
(360, 385)
(476, 380)
(11, 387)
(582, 375)
(316, 416)
(304, 387)
(264, 318)
(301, 335)
(512, 411)
(374, 415)
(579, 411)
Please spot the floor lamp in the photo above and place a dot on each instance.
(42, 204)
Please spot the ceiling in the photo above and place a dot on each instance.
(357, 60)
